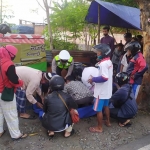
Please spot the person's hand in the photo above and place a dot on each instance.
(39, 105)
(42, 98)
(90, 81)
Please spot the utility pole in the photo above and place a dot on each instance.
(1, 11)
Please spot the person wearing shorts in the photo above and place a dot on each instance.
(103, 86)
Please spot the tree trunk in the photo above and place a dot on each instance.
(48, 22)
(144, 94)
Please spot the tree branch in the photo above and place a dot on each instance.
(40, 5)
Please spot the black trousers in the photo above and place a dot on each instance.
(85, 101)
(114, 114)
(59, 70)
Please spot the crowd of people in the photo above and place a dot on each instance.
(121, 68)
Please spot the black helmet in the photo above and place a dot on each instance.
(4, 29)
(133, 46)
(122, 78)
(57, 83)
(104, 49)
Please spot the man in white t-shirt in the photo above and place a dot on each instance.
(103, 86)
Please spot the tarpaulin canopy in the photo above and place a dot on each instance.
(114, 15)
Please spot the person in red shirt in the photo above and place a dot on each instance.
(137, 66)
(9, 79)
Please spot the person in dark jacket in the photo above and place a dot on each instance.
(123, 105)
(137, 66)
(57, 117)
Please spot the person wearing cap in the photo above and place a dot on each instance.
(32, 79)
(62, 61)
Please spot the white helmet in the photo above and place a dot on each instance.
(64, 55)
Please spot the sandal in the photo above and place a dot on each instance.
(71, 133)
(23, 136)
(2, 133)
(125, 125)
(93, 130)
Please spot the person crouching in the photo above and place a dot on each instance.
(57, 118)
(123, 104)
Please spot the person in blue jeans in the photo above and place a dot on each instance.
(123, 105)
(137, 66)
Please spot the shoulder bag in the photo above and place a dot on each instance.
(73, 113)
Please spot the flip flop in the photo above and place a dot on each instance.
(23, 136)
(126, 125)
(93, 130)
(31, 117)
(72, 132)
(3, 133)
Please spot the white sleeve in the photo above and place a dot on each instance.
(104, 70)
(123, 61)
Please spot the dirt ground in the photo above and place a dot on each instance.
(112, 137)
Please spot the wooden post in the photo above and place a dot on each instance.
(99, 26)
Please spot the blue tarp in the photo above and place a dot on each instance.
(114, 15)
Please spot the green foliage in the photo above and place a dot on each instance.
(131, 3)
(67, 22)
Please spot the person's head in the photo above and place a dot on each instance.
(122, 78)
(106, 30)
(46, 77)
(69, 79)
(8, 51)
(119, 46)
(139, 38)
(64, 56)
(134, 39)
(127, 37)
(132, 48)
(102, 51)
(57, 83)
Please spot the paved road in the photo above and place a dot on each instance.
(139, 144)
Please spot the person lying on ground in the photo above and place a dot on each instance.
(123, 105)
(79, 92)
(32, 79)
(57, 117)
(103, 86)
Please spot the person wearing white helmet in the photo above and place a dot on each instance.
(62, 61)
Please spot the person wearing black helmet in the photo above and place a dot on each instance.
(103, 85)
(123, 105)
(137, 66)
(57, 117)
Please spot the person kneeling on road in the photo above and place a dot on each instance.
(32, 79)
(62, 61)
(57, 117)
(123, 105)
